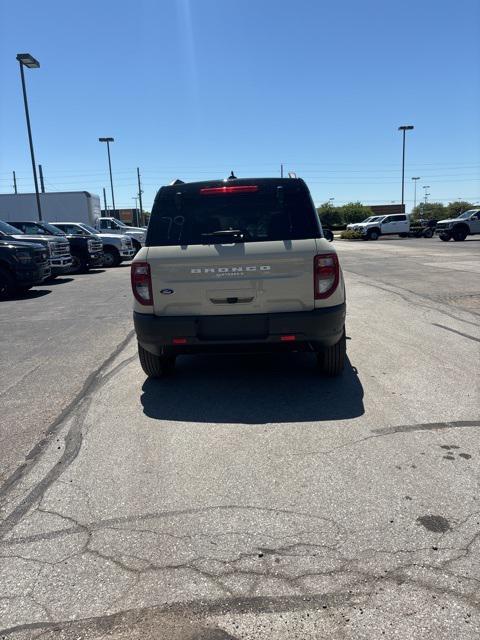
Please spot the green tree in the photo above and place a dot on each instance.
(430, 211)
(355, 212)
(459, 206)
(330, 215)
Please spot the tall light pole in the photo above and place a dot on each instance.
(108, 140)
(403, 128)
(26, 60)
(415, 191)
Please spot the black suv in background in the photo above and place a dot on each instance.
(22, 265)
(87, 253)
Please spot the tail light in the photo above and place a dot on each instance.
(142, 282)
(326, 273)
(244, 188)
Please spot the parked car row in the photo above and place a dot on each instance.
(32, 252)
(467, 223)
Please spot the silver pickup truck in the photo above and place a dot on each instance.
(116, 248)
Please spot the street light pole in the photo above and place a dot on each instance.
(404, 128)
(108, 140)
(25, 59)
(415, 192)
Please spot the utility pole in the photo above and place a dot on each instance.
(105, 201)
(15, 182)
(281, 170)
(42, 183)
(140, 197)
(136, 210)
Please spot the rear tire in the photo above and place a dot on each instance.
(428, 233)
(332, 361)
(445, 237)
(155, 366)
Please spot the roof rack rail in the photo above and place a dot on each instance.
(176, 181)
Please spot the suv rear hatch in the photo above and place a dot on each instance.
(234, 247)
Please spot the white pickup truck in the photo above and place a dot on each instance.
(374, 227)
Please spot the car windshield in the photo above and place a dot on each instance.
(9, 229)
(210, 216)
(44, 228)
(88, 228)
(466, 214)
(53, 229)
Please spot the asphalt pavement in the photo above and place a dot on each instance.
(247, 497)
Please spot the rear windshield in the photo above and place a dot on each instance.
(195, 217)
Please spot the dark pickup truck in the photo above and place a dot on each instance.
(22, 265)
(87, 253)
(57, 247)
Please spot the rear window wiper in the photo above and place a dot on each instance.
(226, 232)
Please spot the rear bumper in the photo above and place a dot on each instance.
(312, 330)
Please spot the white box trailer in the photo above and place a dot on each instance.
(60, 206)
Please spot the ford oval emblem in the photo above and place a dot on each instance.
(167, 292)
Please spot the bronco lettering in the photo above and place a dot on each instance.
(230, 269)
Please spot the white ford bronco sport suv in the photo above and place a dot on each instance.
(237, 265)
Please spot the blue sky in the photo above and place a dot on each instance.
(194, 88)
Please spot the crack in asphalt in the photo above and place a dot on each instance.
(387, 431)
(93, 381)
(406, 298)
(459, 333)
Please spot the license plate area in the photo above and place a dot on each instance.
(233, 328)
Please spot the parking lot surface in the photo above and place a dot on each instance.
(247, 497)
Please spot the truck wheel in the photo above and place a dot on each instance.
(111, 257)
(155, 366)
(445, 237)
(459, 235)
(428, 233)
(7, 284)
(332, 361)
(78, 265)
(373, 234)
